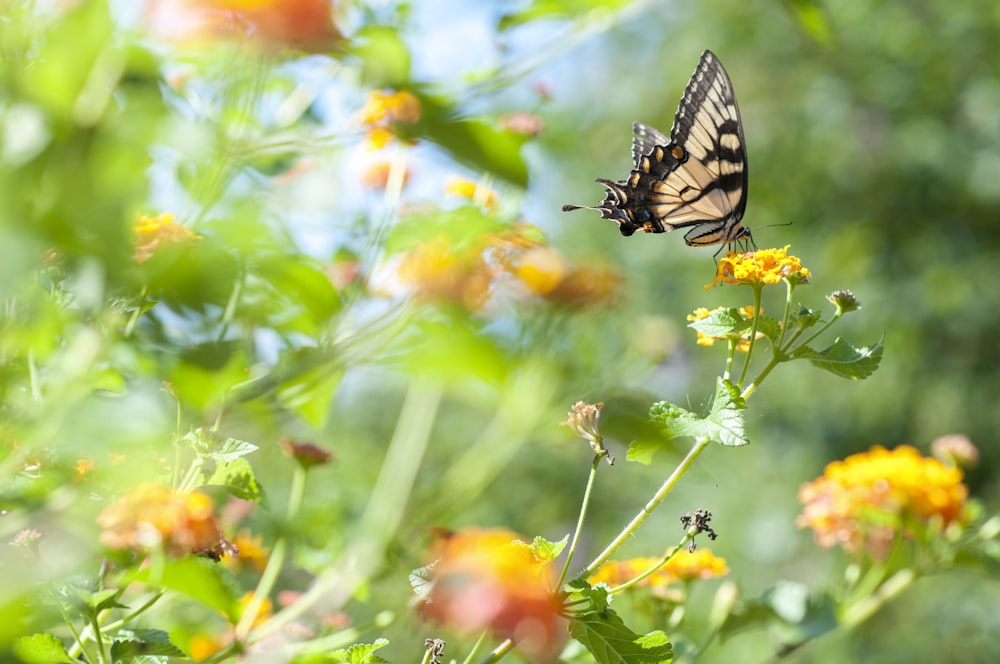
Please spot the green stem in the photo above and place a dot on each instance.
(498, 653)
(789, 288)
(893, 586)
(231, 304)
(755, 383)
(136, 312)
(658, 564)
(699, 446)
(758, 290)
(36, 392)
(275, 561)
(475, 648)
(385, 509)
(138, 612)
(822, 329)
(95, 625)
(579, 522)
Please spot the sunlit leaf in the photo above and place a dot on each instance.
(555, 9)
(843, 359)
(385, 59)
(611, 642)
(41, 649)
(238, 478)
(131, 644)
(198, 578)
(362, 653)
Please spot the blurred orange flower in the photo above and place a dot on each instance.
(482, 196)
(153, 233)
(490, 579)
(382, 110)
(865, 501)
(441, 272)
(153, 515)
(265, 24)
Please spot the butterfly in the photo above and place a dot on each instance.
(696, 177)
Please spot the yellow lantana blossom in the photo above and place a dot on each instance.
(866, 500)
(762, 267)
(152, 233)
(682, 566)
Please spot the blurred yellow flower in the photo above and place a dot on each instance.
(251, 552)
(153, 233)
(867, 500)
(461, 187)
(384, 109)
(440, 272)
(682, 566)
(489, 579)
(153, 515)
(755, 268)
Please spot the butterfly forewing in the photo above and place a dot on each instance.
(695, 177)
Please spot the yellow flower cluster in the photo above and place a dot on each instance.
(153, 515)
(866, 500)
(382, 110)
(152, 233)
(682, 566)
(442, 270)
(762, 267)
(461, 187)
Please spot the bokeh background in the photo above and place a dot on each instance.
(873, 127)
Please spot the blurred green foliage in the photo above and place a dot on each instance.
(873, 126)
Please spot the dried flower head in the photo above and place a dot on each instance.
(844, 300)
(865, 501)
(585, 420)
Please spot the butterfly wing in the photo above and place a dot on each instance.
(697, 177)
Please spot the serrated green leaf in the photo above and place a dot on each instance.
(361, 653)
(88, 602)
(41, 649)
(843, 359)
(546, 551)
(724, 423)
(596, 597)
(804, 318)
(238, 478)
(726, 322)
(130, 645)
(231, 450)
(767, 326)
(611, 642)
(197, 578)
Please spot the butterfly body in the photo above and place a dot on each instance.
(696, 177)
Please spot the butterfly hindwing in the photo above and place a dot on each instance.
(696, 177)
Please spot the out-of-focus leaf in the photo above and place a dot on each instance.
(130, 645)
(790, 610)
(812, 19)
(470, 141)
(546, 551)
(238, 478)
(456, 352)
(557, 9)
(41, 649)
(290, 294)
(611, 642)
(384, 56)
(207, 372)
(463, 228)
(843, 359)
(198, 578)
(310, 394)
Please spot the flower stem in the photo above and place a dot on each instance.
(758, 290)
(475, 648)
(498, 653)
(579, 522)
(864, 608)
(700, 444)
(659, 563)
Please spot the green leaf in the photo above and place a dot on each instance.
(456, 352)
(310, 394)
(546, 551)
(361, 653)
(231, 450)
(385, 60)
(596, 597)
(40, 649)
(769, 327)
(87, 602)
(238, 478)
(843, 359)
(462, 227)
(791, 612)
(611, 642)
(129, 645)
(812, 20)
(472, 142)
(555, 9)
(804, 318)
(198, 578)
(727, 322)
(724, 423)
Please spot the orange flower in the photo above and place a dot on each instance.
(489, 579)
(376, 175)
(153, 233)
(154, 515)
(441, 272)
(868, 499)
(682, 566)
(757, 268)
(266, 24)
(250, 552)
